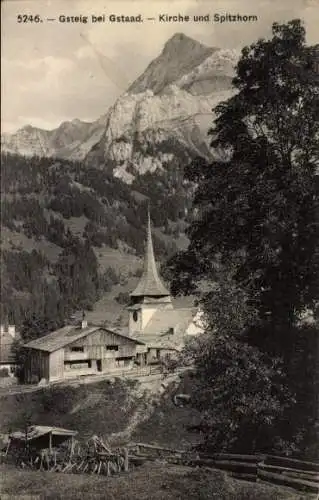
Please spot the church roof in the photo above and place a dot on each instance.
(158, 342)
(167, 328)
(150, 283)
(162, 321)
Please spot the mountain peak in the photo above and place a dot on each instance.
(67, 123)
(179, 38)
(180, 41)
(180, 55)
(27, 128)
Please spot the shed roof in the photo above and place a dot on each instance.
(37, 431)
(67, 335)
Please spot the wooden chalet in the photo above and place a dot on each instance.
(78, 350)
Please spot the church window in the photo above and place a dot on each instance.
(135, 315)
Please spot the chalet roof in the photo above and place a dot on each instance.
(150, 283)
(67, 335)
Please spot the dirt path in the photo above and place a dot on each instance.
(148, 392)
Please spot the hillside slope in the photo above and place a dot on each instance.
(104, 408)
(118, 410)
(53, 208)
(168, 482)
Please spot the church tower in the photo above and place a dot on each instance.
(150, 293)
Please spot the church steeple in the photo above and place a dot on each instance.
(150, 284)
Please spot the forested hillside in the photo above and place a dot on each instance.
(58, 217)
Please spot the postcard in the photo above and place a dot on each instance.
(159, 249)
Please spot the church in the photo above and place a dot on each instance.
(156, 329)
(153, 319)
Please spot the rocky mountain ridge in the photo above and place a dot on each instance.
(71, 140)
(162, 118)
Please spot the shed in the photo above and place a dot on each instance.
(41, 437)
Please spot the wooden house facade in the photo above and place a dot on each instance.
(73, 351)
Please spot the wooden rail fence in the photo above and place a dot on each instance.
(297, 474)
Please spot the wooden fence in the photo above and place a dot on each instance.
(297, 474)
(134, 373)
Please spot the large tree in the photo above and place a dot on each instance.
(258, 205)
(254, 237)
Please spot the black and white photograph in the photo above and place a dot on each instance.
(159, 250)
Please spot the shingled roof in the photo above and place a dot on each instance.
(150, 283)
(67, 335)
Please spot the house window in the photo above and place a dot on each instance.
(76, 365)
(77, 349)
(135, 316)
(112, 347)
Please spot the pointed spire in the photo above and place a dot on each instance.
(150, 283)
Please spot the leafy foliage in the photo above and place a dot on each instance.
(240, 392)
(253, 245)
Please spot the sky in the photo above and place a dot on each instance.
(54, 72)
